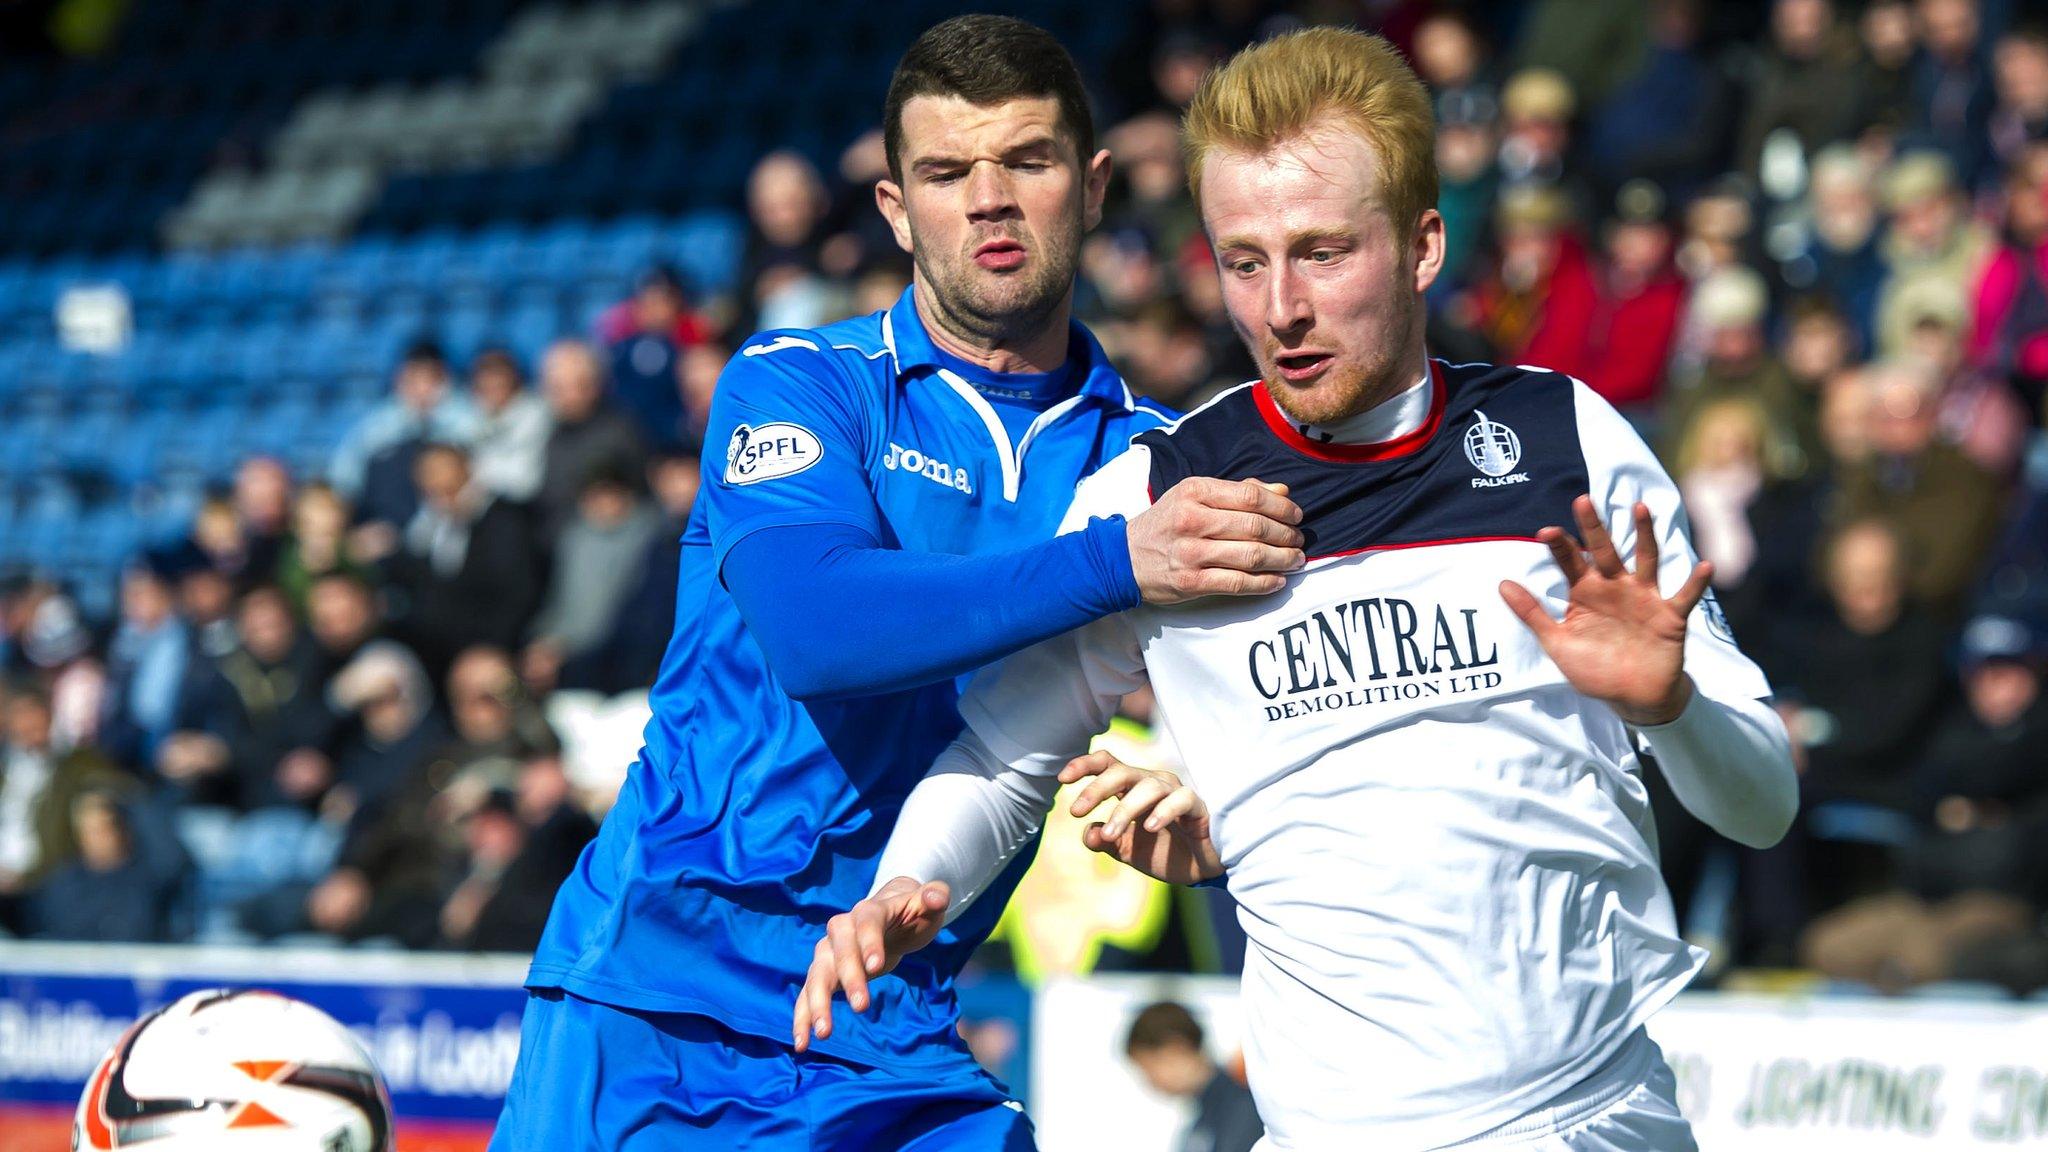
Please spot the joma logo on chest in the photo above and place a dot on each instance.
(901, 459)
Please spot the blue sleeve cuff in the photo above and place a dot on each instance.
(1222, 881)
(1107, 541)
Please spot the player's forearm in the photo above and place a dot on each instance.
(1730, 764)
(965, 821)
(838, 615)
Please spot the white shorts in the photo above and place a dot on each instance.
(1629, 1105)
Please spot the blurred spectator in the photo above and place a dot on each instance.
(1152, 182)
(372, 467)
(786, 207)
(859, 235)
(1952, 94)
(698, 369)
(1817, 344)
(318, 545)
(1976, 412)
(249, 709)
(1634, 327)
(1836, 252)
(641, 628)
(1945, 508)
(1718, 229)
(645, 343)
(586, 430)
(2010, 336)
(263, 510)
(206, 600)
(146, 663)
(1980, 781)
(1867, 678)
(404, 838)
(2020, 76)
(1808, 89)
(468, 568)
(109, 893)
(1181, 60)
(38, 783)
(1669, 121)
(1890, 41)
(1727, 318)
(1452, 57)
(391, 699)
(1535, 305)
(512, 427)
(341, 612)
(1930, 238)
(520, 847)
(1720, 472)
(1592, 44)
(1465, 149)
(597, 558)
(1165, 1043)
(1536, 108)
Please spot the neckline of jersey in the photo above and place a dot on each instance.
(1403, 445)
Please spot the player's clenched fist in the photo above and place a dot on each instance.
(1209, 537)
(1160, 826)
(866, 941)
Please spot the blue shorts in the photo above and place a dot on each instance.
(596, 1078)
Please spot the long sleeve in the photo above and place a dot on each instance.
(1730, 763)
(868, 624)
(793, 520)
(965, 821)
(1727, 756)
(987, 793)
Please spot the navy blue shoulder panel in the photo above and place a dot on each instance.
(1502, 460)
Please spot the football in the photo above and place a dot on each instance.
(235, 1071)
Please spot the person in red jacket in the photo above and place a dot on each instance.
(1535, 304)
(1640, 296)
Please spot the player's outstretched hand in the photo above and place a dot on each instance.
(1209, 537)
(1160, 827)
(1620, 640)
(864, 942)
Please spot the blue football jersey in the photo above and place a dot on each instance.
(751, 818)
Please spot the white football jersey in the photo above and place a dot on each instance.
(1443, 854)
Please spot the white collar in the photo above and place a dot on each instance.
(1390, 419)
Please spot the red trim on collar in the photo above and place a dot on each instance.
(1354, 453)
(1424, 544)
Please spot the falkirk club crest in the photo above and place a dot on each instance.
(1491, 447)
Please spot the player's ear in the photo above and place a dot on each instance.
(1097, 186)
(889, 200)
(1428, 250)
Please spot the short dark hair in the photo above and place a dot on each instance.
(986, 60)
(425, 350)
(1162, 1024)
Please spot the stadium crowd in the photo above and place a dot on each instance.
(1804, 249)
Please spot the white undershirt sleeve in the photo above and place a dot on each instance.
(964, 822)
(986, 795)
(1727, 757)
(1730, 764)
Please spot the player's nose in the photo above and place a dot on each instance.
(1287, 301)
(989, 195)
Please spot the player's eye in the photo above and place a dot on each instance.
(1324, 256)
(1243, 267)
